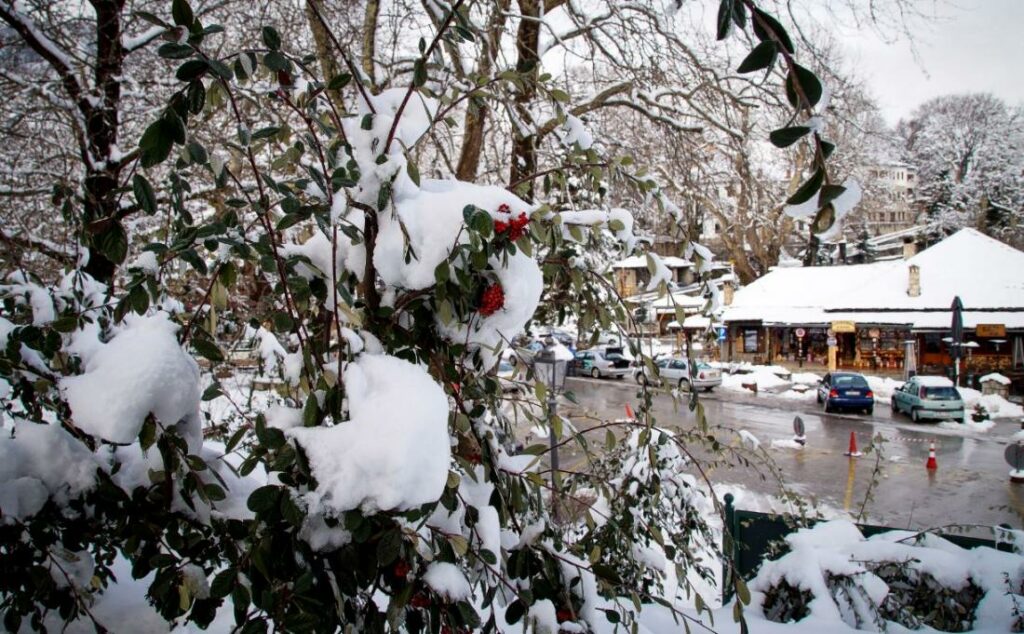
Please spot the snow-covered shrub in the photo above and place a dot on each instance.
(371, 488)
(913, 579)
(979, 413)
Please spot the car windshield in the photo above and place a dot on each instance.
(704, 366)
(940, 393)
(849, 381)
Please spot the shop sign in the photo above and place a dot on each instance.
(800, 332)
(990, 330)
(844, 326)
(832, 341)
(875, 333)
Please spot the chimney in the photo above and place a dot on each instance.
(914, 283)
(909, 248)
(727, 291)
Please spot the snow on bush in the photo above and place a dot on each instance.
(40, 462)
(833, 575)
(393, 452)
(141, 371)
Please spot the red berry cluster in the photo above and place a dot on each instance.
(514, 228)
(492, 300)
(402, 569)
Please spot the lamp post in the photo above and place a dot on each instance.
(549, 367)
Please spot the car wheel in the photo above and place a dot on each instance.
(870, 411)
(641, 378)
(594, 372)
(708, 389)
(894, 406)
(684, 385)
(915, 415)
(828, 408)
(819, 398)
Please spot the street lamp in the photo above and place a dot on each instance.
(549, 367)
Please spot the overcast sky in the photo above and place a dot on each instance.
(978, 47)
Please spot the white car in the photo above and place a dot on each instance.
(676, 370)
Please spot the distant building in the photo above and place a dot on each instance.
(872, 309)
(888, 205)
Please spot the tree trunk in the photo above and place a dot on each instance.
(102, 175)
(524, 140)
(328, 62)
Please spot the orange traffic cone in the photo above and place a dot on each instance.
(931, 464)
(853, 453)
(629, 412)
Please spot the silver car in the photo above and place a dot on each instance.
(601, 362)
(676, 371)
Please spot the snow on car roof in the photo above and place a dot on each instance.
(934, 381)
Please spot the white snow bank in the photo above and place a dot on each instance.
(883, 387)
(393, 452)
(763, 378)
(141, 371)
(38, 462)
(997, 406)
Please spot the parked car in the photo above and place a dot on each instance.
(846, 390)
(676, 370)
(933, 397)
(601, 361)
(506, 374)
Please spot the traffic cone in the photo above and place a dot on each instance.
(932, 464)
(629, 412)
(853, 453)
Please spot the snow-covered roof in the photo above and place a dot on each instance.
(986, 274)
(640, 262)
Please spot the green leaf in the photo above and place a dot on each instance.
(283, 322)
(762, 20)
(339, 81)
(607, 573)
(192, 69)
(762, 56)
(724, 21)
(147, 435)
(830, 193)
(208, 349)
(807, 82)
(144, 194)
(742, 591)
(174, 50)
(182, 13)
(271, 38)
(265, 133)
(113, 243)
(413, 172)
(223, 583)
(155, 144)
(275, 61)
(65, 324)
(559, 95)
(419, 72)
(310, 413)
(785, 137)
(808, 189)
(264, 498)
(827, 148)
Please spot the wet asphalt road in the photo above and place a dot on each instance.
(970, 486)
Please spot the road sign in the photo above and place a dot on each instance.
(800, 332)
(1015, 456)
(798, 426)
(832, 341)
(721, 334)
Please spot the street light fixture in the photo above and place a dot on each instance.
(549, 367)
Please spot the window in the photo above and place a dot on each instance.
(750, 340)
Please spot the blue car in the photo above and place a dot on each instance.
(846, 391)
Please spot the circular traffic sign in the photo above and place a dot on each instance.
(1015, 456)
(800, 332)
(798, 426)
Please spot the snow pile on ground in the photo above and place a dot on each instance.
(393, 452)
(805, 378)
(141, 371)
(761, 376)
(883, 387)
(997, 406)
